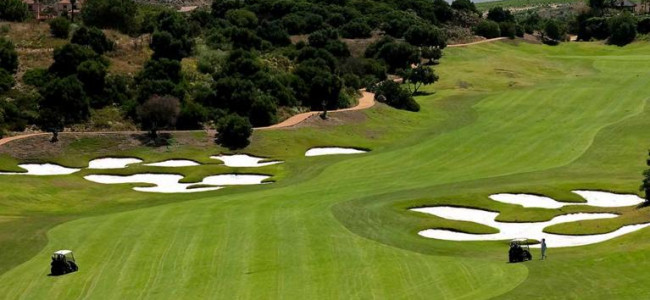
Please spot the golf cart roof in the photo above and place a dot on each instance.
(63, 252)
(519, 240)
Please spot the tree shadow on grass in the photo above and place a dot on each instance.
(161, 140)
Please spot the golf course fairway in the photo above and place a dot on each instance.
(506, 117)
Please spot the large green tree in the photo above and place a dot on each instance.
(116, 14)
(64, 102)
(13, 10)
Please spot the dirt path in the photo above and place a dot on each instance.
(477, 42)
(366, 101)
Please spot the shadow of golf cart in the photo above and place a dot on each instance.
(63, 262)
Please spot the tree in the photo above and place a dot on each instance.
(8, 56)
(415, 78)
(464, 5)
(192, 116)
(391, 93)
(233, 132)
(13, 10)
(356, 29)
(426, 36)
(92, 73)
(263, 111)
(64, 102)
(242, 18)
(398, 55)
(488, 29)
(158, 112)
(60, 27)
(164, 45)
(508, 29)
(553, 30)
(116, 14)
(623, 29)
(6, 81)
(69, 57)
(498, 14)
(94, 38)
(432, 54)
(221, 7)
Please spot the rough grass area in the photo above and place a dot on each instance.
(35, 46)
(505, 117)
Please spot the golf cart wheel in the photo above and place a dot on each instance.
(528, 256)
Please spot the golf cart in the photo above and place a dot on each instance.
(63, 262)
(519, 251)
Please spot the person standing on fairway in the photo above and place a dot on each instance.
(543, 248)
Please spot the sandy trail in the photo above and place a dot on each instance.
(366, 101)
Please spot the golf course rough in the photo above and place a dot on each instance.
(504, 117)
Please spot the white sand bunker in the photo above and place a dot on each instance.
(174, 163)
(43, 170)
(332, 151)
(594, 198)
(112, 163)
(531, 230)
(169, 183)
(244, 160)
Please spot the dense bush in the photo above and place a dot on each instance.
(116, 14)
(94, 38)
(8, 56)
(643, 26)
(553, 30)
(508, 29)
(393, 94)
(6, 81)
(60, 27)
(356, 29)
(233, 132)
(623, 29)
(464, 5)
(69, 57)
(488, 29)
(498, 14)
(192, 116)
(13, 10)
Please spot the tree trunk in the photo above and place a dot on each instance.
(55, 136)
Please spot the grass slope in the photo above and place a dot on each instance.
(504, 118)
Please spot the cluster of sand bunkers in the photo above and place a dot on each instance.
(533, 230)
(171, 183)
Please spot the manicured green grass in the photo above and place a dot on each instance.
(526, 118)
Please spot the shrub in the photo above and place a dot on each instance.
(192, 116)
(13, 10)
(94, 38)
(263, 111)
(498, 14)
(37, 77)
(465, 5)
(508, 29)
(488, 29)
(60, 27)
(6, 81)
(643, 26)
(356, 29)
(8, 56)
(117, 14)
(553, 30)
(393, 94)
(233, 132)
(242, 18)
(623, 29)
